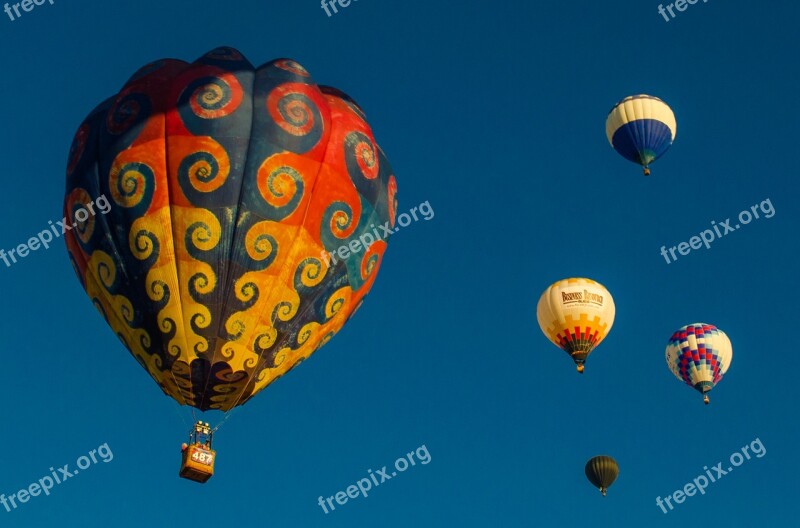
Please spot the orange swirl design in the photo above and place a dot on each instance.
(259, 241)
(217, 98)
(127, 183)
(204, 161)
(290, 105)
(366, 159)
(278, 181)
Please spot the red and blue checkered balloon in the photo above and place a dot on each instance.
(699, 354)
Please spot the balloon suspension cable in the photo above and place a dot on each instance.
(181, 416)
(228, 414)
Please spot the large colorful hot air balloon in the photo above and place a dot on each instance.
(602, 471)
(230, 186)
(699, 354)
(576, 314)
(641, 128)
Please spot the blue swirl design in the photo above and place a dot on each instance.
(128, 113)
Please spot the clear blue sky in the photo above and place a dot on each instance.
(494, 113)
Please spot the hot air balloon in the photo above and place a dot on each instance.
(641, 128)
(602, 471)
(234, 192)
(576, 314)
(699, 354)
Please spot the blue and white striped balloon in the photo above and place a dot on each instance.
(641, 128)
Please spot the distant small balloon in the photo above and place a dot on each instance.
(602, 471)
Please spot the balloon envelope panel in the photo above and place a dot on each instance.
(229, 186)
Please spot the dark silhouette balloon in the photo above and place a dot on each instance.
(602, 471)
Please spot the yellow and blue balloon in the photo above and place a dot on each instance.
(641, 128)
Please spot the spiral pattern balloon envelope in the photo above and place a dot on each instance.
(576, 314)
(699, 354)
(641, 128)
(229, 186)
